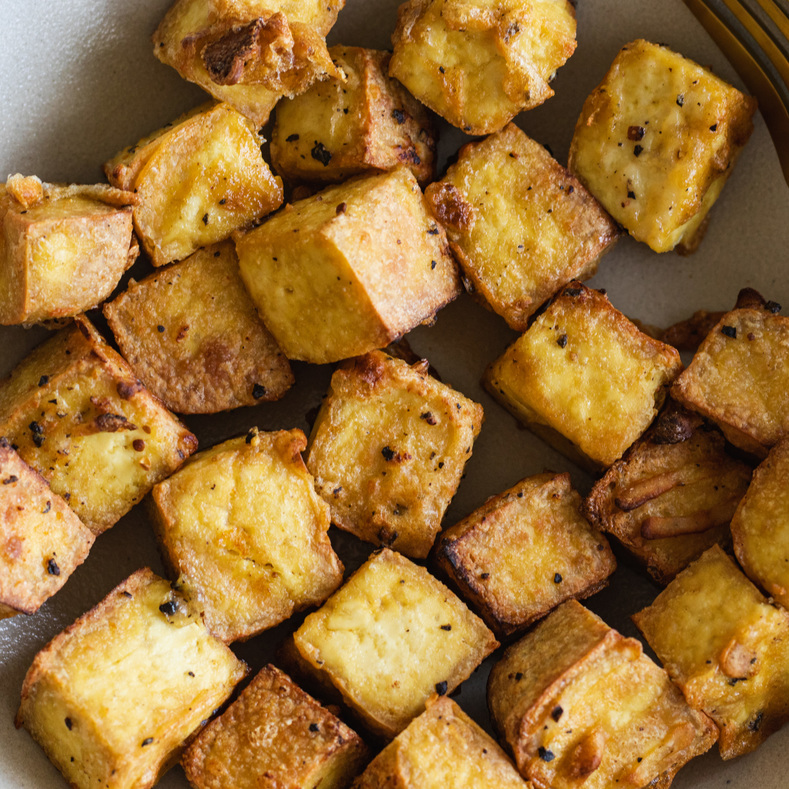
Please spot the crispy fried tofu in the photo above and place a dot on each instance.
(581, 706)
(76, 413)
(441, 749)
(245, 534)
(390, 638)
(760, 526)
(524, 552)
(249, 53)
(42, 541)
(340, 128)
(726, 647)
(276, 734)
(349, 269)
(519, 224)
(673, 494)
(656, 141)
(388, 449)
(739, 377)
(584, 377)
(478, 64)
(112, 698)
(196, 181)
(63, 249)
(192, 335)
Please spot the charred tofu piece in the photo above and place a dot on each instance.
(245, 534)
(739, 377)
(673, 495)
(584, 377)
(390, 638)
(656, 141)
(388, 449)
(42, 541)
(519, 224)
(113, 697)
(441, 749)
(479, 64)
(524, 552)
(726, 647)
(581, 706)
(196, 181)
(340, 128)
(274, 735)
(249, 54)
(760, 526)
(76, 413)
(349, 269)
(192, 335)
(63, 249)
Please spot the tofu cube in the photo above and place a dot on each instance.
(63, 249)
(340, 128)
(478, 64)
(656, 141)
(349, 269)
(196, 181)
(113, 697)
(441, 749)
(520, 225)
(41, 540)
(390, 638)
(581, 705)
(739, 378)
(673, 494)
(388, 449)
(524, 552)
(249, 53)
(584, 377)
(76, 413)
(274, 734)
(760, 527)
(726, 647)
(192, 335)
(245, 534)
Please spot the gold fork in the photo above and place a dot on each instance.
(759, 51)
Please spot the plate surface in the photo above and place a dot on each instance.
(81, 82)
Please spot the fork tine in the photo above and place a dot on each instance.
(777, 14)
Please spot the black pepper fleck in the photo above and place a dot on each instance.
(680, 100)
(205, 219)
(557, 713)
(546, 754)
(160, 329)
(69, 724)
(562, 341)
(557, 578)
(52, 567)
(387, 453)
(43, 381)
(258, 391)
(399, 116)
(292, 138)
(729, 331)
(441, 688)
(168, 608)
(638, 150)
(321, 154)
(146, 741)
(9, 480)
(314, 727)
(446, 627)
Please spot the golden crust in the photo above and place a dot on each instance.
(192, 335)
(524, 552)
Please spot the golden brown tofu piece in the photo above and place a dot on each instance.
(63, 249)
(245, 534)
(524, 552)
(340, 128)
(196, 181)
(739, 377)
(726, 647)
(581, 706)
(583, 377)
(656, 141)
(441, 749)
(77, 414)
(249, 53)
(349, 269)
(390, 638)
(192, 335)
(388, 449)
(673, 494)
(274, 735)
(479, 64)
(112, 698)
(760, 526)
(41, 540)
(519, 224)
